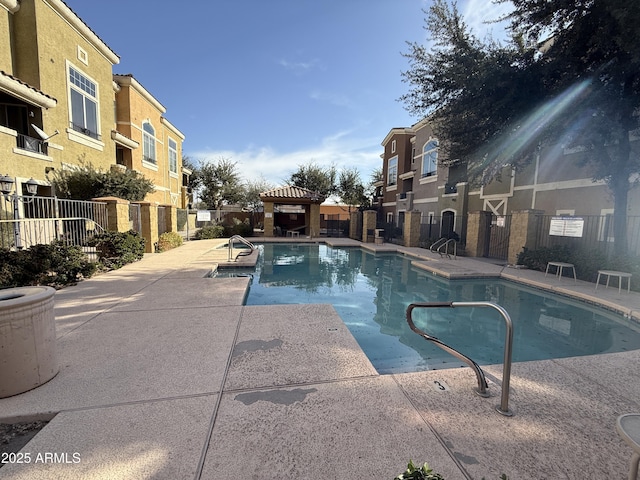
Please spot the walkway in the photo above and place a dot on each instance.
(166, 375)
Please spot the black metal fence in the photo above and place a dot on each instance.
(334, 228)
(587, 232)
(32, 220)
(393, 233)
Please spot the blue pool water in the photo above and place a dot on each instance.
(371, 293)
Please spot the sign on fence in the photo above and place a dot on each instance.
(566, 226)
(203, 216)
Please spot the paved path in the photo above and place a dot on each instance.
(166, 375)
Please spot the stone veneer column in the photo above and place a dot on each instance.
(354, 220)
(149, 221)
(171, 216)
(314, 220)
(368, 223)
(412, 229)
(477, 233)
(117, 213)
(268, 219)
(522, 232)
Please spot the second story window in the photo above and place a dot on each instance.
(84, 103)
(430, 158)
(148, 143)
(392, 171)
(173, 156)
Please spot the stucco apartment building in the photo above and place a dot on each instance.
(57, 97)
(416, 179)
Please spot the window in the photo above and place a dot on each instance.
(148, 143)
(393, 146)
(84, 104)
(430, 158)
(392, 171)
(173, 156)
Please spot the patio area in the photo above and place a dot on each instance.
(165, 374)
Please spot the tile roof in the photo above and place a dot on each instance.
(293, 193)
(26, 85)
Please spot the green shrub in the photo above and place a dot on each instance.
(116, 249)
(425, 473)
(169, 240)
(587, 262)
(54, 265)
(238, 227)
(210, 231)
(87, 182)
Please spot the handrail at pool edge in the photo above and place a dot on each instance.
(503, 408)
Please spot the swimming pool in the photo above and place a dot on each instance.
(371, 293)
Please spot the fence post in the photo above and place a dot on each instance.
(477, 225)
(268, 219)
(117, 213)
(522, 233)
(368, 225)
(355, 218)
(149, 221)
(412, 229)
(171, 218)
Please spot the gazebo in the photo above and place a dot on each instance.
(291, 211)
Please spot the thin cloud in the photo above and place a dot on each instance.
(339, 149)
(336, 99)
(299, 68)
(480, 16)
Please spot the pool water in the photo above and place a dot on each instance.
(371, 293)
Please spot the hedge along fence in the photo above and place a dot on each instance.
(587, 262)
(58, 264)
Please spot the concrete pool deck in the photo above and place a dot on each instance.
(164, 374)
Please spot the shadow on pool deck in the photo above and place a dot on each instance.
(166, 375)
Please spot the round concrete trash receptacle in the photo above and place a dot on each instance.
(27, 339)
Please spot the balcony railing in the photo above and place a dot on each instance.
(25, 142)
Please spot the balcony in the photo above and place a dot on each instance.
(30, 144)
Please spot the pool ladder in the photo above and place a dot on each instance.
(481, 390)
(443, 243)
(241, 239)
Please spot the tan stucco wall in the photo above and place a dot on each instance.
(133, 109)
(44, 45)
(5, 40)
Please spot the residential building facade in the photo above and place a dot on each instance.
(146, 141)
(558, 182)
(57, 97)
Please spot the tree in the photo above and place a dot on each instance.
(251, 195)
(87, 182)
(315, 178)
(595, 42)
(194, 180)
(350, 188)
(220, 183)
(578, 85)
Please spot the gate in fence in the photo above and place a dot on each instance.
(33, 220)
(135, 220)
(497, 240)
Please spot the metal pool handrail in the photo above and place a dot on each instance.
(242, 240)
(503, 408)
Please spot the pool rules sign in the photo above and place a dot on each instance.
(566, 226)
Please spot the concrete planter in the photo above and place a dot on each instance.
(27, 339)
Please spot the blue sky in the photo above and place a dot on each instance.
(273, 84)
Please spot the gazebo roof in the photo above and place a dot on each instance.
(292, 195)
